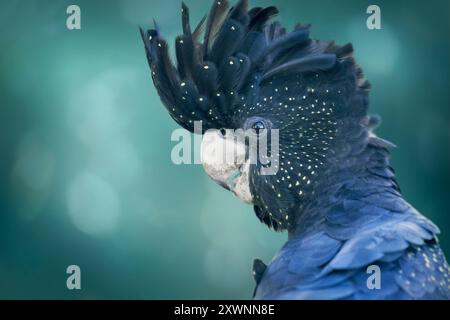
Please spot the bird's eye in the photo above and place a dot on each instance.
(223, 131)
(258, 126)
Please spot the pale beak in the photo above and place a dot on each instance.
(223, 158)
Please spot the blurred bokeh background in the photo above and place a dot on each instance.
(85, 170)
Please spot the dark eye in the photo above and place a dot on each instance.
(258, 126)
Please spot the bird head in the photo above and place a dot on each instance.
(278, 110)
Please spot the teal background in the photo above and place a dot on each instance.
(85, 170)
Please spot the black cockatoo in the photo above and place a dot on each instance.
(333, 189)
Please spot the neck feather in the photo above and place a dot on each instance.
(352, 178)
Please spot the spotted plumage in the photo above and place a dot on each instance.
(334, 190)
